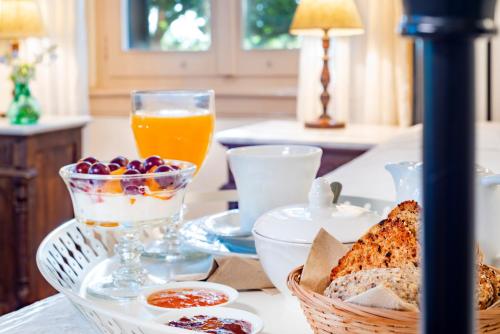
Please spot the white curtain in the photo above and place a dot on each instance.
(61, 85)
(371, 74)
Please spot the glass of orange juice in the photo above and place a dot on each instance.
(175, 125)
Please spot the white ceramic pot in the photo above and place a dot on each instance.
(283, 236)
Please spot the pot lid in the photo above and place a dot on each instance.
(301, 223)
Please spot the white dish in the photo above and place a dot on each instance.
(226, 224)
(278, 258)
(231, 293)
(280, 253)
(221, 312)
(197, 237)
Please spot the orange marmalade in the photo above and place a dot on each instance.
(187, 297)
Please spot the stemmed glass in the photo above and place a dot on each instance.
(174, 125)
(125, 203)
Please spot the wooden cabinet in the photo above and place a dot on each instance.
(33, 201)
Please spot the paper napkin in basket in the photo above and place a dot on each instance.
(240, 273)
(324, 255)
(383, 297)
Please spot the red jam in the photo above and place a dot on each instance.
(186, 297)
(214, 325)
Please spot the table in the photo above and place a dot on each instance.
(56, 315)
(366, 176)
(339, 145)
(33, 200)
(363, 176)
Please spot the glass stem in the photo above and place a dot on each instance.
(171, 236)
(130, 272)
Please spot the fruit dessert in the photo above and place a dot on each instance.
(127, 192)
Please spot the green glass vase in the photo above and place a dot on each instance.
(24, 108)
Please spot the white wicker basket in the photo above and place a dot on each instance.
(64, 258)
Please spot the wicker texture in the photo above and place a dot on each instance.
(66, 256)
(332, 316)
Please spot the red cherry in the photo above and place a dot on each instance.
(128, 182)
(120, 160)
(167, 180)
(90, 160)
(152, 161)
(137, 165)
(99, 168)
(82, 167)
(113, 166)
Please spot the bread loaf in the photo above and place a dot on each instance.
(390, 244)
(404, 282)
(388, 254)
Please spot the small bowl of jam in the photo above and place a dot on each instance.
(216, 320)
(184, 295)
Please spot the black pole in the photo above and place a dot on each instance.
(489, 82)
(446, 30)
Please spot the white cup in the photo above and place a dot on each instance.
(270, 176)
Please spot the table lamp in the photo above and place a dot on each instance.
(326, 18)
(21, 19)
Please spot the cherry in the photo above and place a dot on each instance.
(90, 160)
(137, 165)
(164, 181)
(83, 167)
(152, 161)
(163, 169)
(113, 166)
(99, 168)
(174, 167)
(128, 182)
(120, 160)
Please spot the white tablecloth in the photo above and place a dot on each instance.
(56, 315)
(364, 176)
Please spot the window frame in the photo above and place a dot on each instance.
(225, 57)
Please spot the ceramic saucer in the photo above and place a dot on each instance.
(225, 224)
(196, 234)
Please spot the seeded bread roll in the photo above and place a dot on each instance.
(403, 282)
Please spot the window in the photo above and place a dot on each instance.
(266, 24)
(239, 47)
(168, 25)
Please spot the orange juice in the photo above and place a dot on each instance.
(180, 135)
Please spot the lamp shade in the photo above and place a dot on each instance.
(20, 19)
(337, 17)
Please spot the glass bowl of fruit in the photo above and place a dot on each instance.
(126, 196)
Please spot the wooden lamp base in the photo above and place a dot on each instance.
(325, 122)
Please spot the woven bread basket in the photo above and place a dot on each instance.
(331, 316)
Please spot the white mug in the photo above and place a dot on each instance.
(270, 176)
